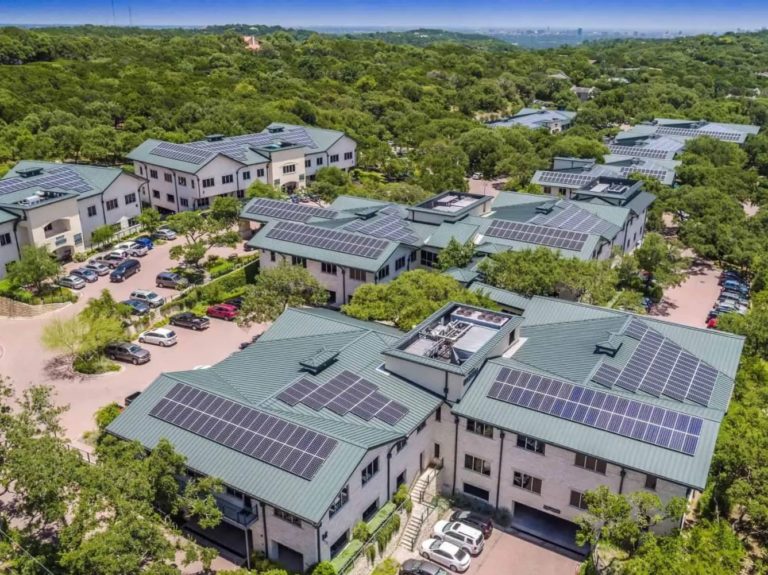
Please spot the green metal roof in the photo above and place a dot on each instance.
(6, 217)
(461, 275)
(501, 296)
(441, 235)
(98, 178)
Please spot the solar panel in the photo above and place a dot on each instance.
(58, 178)
(288, 211)
(389, 227)
(572, 217)
(345, 393)
(326, 239)
(641, 152)
(540, 235)
(290, 447)
(565, 178)
(694, 133)
(657, 174)
(659, 366)
(655, 425)
(181, 153)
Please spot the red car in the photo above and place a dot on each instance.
(712, 323)
(222, 311)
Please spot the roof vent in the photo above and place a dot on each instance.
(28, 172)
(545, 208)
(275, 129)
(608, 348)
(214, 137)
(319, 361)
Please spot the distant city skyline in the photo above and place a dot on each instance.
(657, 15)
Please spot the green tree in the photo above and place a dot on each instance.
(330, 183)
(150, 220)
(102, 235)
(259, 189)
(82, 338)
(661, 259)
(225, 211)
(456, 255)
(106, 415)
(324, 568)
(34, 267)
(441, 166)
(278, 288)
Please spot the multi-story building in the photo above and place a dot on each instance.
(553, 120)
(314, 427)
(180, 177)
(59, 206)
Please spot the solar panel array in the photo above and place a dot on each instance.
(692, 133)
(659, 366)
(658, 174)
(345, 393)
(626, 417)
(533, 234)
(292, 448)
(181, 153)
(641, 152)
(390, 227)
(288, 211)
(61, 178)
(566, 178)
(572, 217)
(326, 239)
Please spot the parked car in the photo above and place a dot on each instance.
(222, 311)
(235, 301)
(109, 263)
(86, 274)
(475, 520)
(446, 554)
(133, 249)
(126, 351)
(419, 567)
(730, 275)
(99, 268)
(137, 307)
(145, 241)
(117, 255)
(71, 282)
(171, 280)
(728, 295)
(736, 286)
(125, 270)
(466, 537)
(712, 322)
(149, 297)
(164, 234)
(189, 320)
(161, 336)
(129, 398)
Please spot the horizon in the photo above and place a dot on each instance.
(592, 15)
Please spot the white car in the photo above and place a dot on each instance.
(133, 249)
(148, 297)
(164, 234)
(468, 538)
(161, 336)
(100, 269)
(446, 554)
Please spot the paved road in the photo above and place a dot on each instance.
(26, 362)
(506, 554)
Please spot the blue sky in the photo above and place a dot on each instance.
(627, 14)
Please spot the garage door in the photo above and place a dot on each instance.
(292, 560)
(547, 527)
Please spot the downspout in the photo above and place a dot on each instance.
(498, 478)
(623, 474)
(343, 286)
(176, 192)
(237, 180)
(389, 475)
(445, 387)
(199, 191)
(455, 453)
(266, 538)
(247, 551)
(103, 209)
(318, 540)
(16, 236)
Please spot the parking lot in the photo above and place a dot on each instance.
(506, 554)
(24, 360)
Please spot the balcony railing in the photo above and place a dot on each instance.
(237, 513)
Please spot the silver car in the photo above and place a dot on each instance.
(97, 267)
(148, 297)
(133, 249)
(164, 234)
(161, 336)
(71, 282)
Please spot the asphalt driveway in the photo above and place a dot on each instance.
(506, 554)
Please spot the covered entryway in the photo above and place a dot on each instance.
(547, 527)
(293, 561)
(226, 537)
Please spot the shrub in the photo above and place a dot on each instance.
(94, 366)
(400, 495)
(106, 415)
(324, 568)
(361, 532)
(80, 257)
(387, 567)
(503, 516)
(370, 553)
(408, 506)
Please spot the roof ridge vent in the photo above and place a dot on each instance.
(214, 137)
(319, 361)
(607, 347)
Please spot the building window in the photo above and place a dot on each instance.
(357, 275)
(170, 197)
(339, 502)
(371, 510)
(208, 182)
(421, 426)
(331, 296)
(289, 169)
(168, 177)
(439, 414)
(276, 182)
(272, 256)
(260, 172)
(141, 170)
(292, 519)
(307, 163)
(182, 180)
(399, 263)
(153, 174)
(329, 269)
(78, 239)
(334, 158)
(203, 202)
(428, 259)
(319, 161)
(246, 175)
(477, 465)
(347, 155)
(111, 205)
(480, 428)
(5, 239)
(400, 445)
(478, 492)
(650, 482)
(412, 257)
(370, 470)
(339, 544)
(130, 199)
(48, 227)
(530, 444)
(240, 194)
(184, 202)
(527, 482)
(298, 261)
(436, 450)
(383, 272)
(577, 500)
(590, 463)
(228, 179)
(193, 183)
(91, 211)
(156, 194)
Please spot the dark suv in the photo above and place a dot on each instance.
(189, 320)
(171, 280)
(126, 351)
(125, 270)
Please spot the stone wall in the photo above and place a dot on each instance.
(13, 308)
